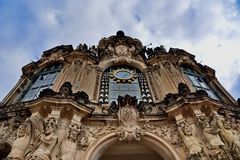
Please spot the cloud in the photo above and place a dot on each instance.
(208, 29)
(10, 68)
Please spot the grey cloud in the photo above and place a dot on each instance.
(87, 21)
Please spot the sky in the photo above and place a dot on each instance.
(209, 29)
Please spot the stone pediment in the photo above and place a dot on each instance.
(120, 46)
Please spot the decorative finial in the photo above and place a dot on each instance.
(120, 33)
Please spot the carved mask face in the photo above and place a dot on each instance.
(187, 130)
(83, 141)
(64, 91)
(73, 135)
(50, 127)
(205, 124)
(21, 130)
(227, 124)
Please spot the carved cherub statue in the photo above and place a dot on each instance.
(20, 145)
(44, 143)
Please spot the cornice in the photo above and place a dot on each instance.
(57, 103)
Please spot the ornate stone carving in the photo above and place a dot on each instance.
(89, 134)
(231, 139)
(77, 64)
(170, 98)
(20, 145)
(89, 67)
(128, 119)
(45, 143)
(122, 50)
(143, 108)
(81, 97)
(237, 127)
(62, 48)
(66, 92)
(113, 108)
(201, 93)
(167, 66)
(8, 129)
(68, 147)
(191, 141)
(166, 131)
(65, 89)
(120, 46)
(46, 92)
(36, 124)
(156, 69)
(213, 141)
(183, 89)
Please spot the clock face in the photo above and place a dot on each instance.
(123, 75)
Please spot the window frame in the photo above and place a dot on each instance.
(48, 74)
(198, 81)
(139, 87)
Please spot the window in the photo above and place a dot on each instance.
(41, 81)
(198, 82)
(122, 80)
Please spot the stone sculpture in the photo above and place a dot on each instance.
(20, 145)
(44, 143)
(228, 135)
(190, 140)
(212, 138)
(68, 147)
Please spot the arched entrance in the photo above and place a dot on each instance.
(129, 151)
(150, 144)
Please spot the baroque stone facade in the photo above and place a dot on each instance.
(93, 102)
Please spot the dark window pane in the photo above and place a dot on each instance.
(47, 82)
(41, 81)
(198, 82)
(37, 94)
(122, 80)
(31, 94)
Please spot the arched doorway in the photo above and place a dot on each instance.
(129, 151)
(149, 143)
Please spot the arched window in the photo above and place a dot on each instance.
(198, 82)
(122, 80)
(42, 80)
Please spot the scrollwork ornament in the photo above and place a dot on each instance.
(167, 132)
